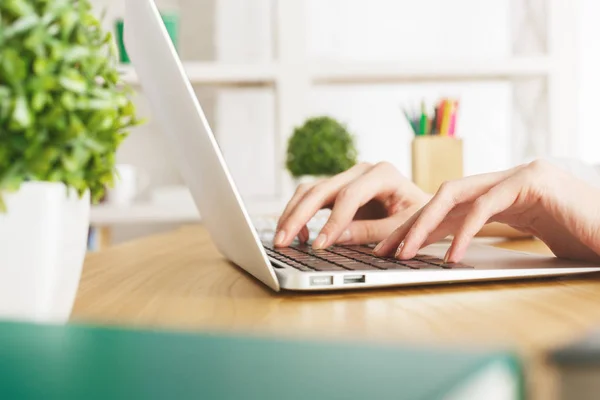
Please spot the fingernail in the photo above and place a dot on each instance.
(320, 241)
(279, 238)
(345, 237)
(302, 237)
(400, 247)
(378, 247)
(447, 256)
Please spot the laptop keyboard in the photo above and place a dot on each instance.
(351, 258)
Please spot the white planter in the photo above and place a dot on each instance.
(309, 179)
(43, 242)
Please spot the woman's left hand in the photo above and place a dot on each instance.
(537, 198)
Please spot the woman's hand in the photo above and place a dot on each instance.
(536, 198)
(367, 202)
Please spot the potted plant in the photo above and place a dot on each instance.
(63, 114)
(321, 147)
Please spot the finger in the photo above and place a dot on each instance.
(298, 195)
(496, 200)
(315, 198)
(367, 232)
(373, 183)
(442, 232)
(391, 244)
(388, 246)
(448, 197)
(304, 235)
(281, 236)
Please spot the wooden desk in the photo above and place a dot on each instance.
(179, 281)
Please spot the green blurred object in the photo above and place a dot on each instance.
(63, 110)
(322, 146)
(171, 21)
(86, 362)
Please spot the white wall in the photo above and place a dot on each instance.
(373, 115)
(379, 30)
(146, 148)
(369, 30)
(589, 82)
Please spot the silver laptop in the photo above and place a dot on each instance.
(177, 110)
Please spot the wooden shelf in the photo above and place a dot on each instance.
(217, 73)
(357, 72)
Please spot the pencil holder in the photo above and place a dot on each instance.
(436, 159)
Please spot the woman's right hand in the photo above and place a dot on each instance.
(367, 203)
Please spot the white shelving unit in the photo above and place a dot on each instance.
(216, 74)
(293, 74)
(333, 72)
(465, 70)
(149, 213)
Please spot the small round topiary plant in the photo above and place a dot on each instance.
(63, 111)
(320, 147)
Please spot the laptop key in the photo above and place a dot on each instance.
(293, 264)
(299, 266)
(361, 249)
(325, 266)
(357, 266)
(373, 260)
(434, 261)
(338, 259)
(425, 257)
(414, 264)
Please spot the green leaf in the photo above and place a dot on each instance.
(39, 101)
(35, 41)
(57, 49)
(22, 117)
(68, 20)
(76, 127)
(14, 67)
(47, 19)
(48, 83)
(5, 103)
(69, 163)
(63, 109)
(73, 81)
(18, 8)
(53, 30)
(76, 53)
(12, 179)
(93, 145)
(82, 154)
(41, 66)
(322, 146)
(23, 24)
(68, 101)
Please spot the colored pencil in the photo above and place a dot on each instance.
(455, 105)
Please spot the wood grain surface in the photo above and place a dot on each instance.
(180, 281)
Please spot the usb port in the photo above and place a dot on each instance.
(321, 280)
(354, 279)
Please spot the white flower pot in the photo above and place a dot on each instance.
(43, 242)
(309, 179)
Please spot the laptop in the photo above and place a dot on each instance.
(298, 268)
